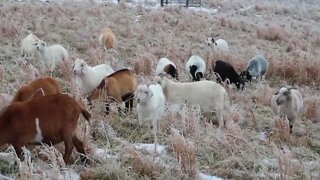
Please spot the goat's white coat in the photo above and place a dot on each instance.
(90, 77)
(151, 104)
(52, 55)
(163, 62)
(38, 138)
(209, 95)
(219, 45)
(290, 109)
(197, 61)
(27, 45)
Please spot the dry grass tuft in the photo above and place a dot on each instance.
(297, 70)
(263, 94)
(273, 33)
(143, 65)
(312, 108)
(280, 132)
(317, 41)
(184, 152)
(26, 166)
(183, 117)
(141, 164)
(9, 31)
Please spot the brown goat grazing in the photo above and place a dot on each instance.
(37, 88)
(107, 38)
(48, 119)
(118, 86)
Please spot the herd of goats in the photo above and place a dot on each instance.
(41, 113)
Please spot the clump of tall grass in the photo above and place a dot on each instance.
(185, 153)
(273, 33)
(144, 64)
(140, 163)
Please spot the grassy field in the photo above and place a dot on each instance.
(255, 145)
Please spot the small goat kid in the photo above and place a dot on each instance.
(151, 104)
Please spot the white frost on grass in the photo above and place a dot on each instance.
(263, 136)
(202, 176)
(69, 174)
(203, 9)
(246, 8)
(103, 153)
(150, 148)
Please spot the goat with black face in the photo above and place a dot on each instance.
(257, 68)
(226, 70)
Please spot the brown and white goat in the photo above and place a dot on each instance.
(48, 119)
(39, 87)
(119, 86)
(107, 38)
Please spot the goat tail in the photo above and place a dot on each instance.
(86, 114)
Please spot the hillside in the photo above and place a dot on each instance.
(255, 145)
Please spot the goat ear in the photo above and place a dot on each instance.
(150, 93)
(163, 74)
(84, 69)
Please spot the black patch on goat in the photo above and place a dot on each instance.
(246, 75)
(170, 69)
(195, 76)
(128, 99)
(199, 75)
(226, 70)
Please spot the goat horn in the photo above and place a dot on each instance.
(292, 88)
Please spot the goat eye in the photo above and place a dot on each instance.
(276, 93)
(286, 93)
(82, 65)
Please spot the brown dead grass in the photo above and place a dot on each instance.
(141, 164)
(280, 133)
(273, 33)
(143, 65)
(312, 108)
(184, 152)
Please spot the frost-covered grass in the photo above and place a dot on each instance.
(255, 144)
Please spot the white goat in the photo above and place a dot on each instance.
(52, 55)
(90, 77)
(287, 103)
(209, 95)
(150, 104)
(27, 45)
(195, 67)
(219, 45)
